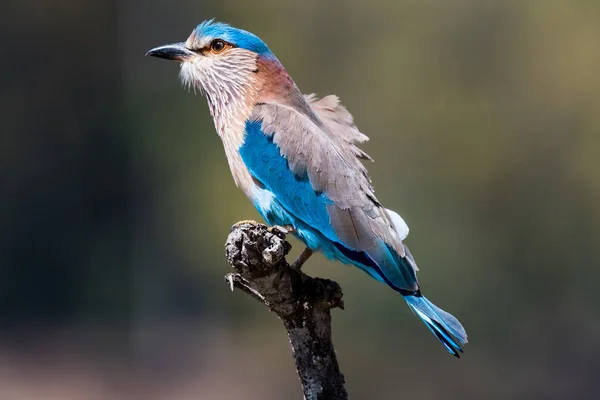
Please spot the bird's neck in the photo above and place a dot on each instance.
(231, 102)
(232, 108)
(230, 122)
(279, 88)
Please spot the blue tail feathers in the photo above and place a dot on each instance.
(442, 324)
(398, 272)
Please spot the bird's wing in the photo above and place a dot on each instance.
(317, 176)
(338, 122)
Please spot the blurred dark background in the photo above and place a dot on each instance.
(116, 199)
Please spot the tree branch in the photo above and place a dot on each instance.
(257, 255)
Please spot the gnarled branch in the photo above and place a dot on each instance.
(257, 255)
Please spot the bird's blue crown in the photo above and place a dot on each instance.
(235, 36)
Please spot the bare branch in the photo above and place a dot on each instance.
(257, 255)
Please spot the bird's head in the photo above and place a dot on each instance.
(220, 60)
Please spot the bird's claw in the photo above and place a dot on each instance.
(229, 279)
(285, 228)
(242, 222)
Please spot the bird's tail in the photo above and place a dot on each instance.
(442, 324)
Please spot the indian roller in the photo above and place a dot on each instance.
(296, 158)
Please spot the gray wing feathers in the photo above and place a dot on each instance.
(353, 226)
(329, 164)
(338, 122)
(328, 156)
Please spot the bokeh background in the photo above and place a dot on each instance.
(116, 199)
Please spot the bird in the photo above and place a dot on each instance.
(297, 158)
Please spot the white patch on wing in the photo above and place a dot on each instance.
(399, 224)
(263, 199)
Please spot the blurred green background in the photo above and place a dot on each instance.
(116, 200)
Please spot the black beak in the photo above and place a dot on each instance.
(175, 51)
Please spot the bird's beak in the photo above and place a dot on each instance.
(175, 51)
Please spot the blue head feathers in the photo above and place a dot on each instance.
(237, 37)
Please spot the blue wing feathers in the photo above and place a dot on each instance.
(295, 193)
(297, 203)
(300, 202)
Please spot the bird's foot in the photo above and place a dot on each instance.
(305, 255)
(242, 222)
(285, 228)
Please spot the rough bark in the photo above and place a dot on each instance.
(257, 255)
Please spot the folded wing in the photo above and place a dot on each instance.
(320, 179)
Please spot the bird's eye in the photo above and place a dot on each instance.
(217, 46)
